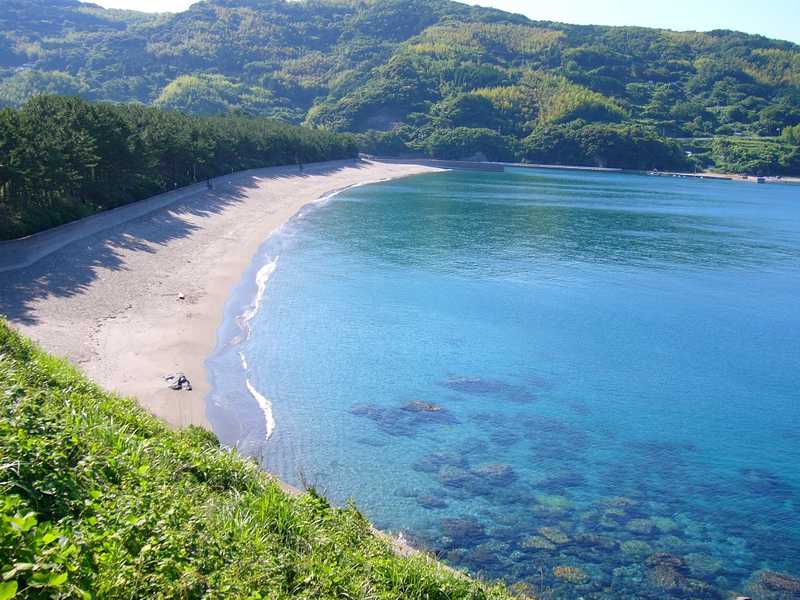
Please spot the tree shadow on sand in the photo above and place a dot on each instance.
(70, 271)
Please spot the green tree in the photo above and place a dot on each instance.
(466, 143)
(62, 158)
(792, 135)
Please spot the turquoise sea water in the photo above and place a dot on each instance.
(531, 369)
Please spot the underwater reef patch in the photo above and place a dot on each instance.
(406, 420)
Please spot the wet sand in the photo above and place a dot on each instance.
(104, 292)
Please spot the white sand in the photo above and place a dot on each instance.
(103, 292)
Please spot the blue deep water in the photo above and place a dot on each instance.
(531, 370)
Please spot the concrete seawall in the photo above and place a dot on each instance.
(23, 252)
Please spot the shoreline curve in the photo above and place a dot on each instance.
(134, 294)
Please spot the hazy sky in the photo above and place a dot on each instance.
(773, 18)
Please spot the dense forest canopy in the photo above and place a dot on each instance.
(62, 158)
(412, 74)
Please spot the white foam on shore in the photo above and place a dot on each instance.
(265, 405)
(262, 278)
(244, 319)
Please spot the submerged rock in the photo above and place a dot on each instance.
(612, 518)
(484, 480)
(474, 385)
(505, 534)
(497, 474)
(477, 386)
(548, 513)
(420, 406)
(364, 410)
(537, 542)
(636, 548)
(623, 577)
(640, 526)
(552, 507)
(476, 486)
(770, 585)
(665, 577)
(406, 492)
(431, 501)
(702, 565)
(431, 463)
(456, 556)
(512, 519)
(555, 535)
(620, 502)
(487, 553)
(686, 587)
(453, 476)
(539, 425)
(764, 483)
(592, 540)
(473, 445)
(569, 574)
(464, 531)
(403, 421)
(555, 501)
(664, 558)
(513, 495)
(664, 524)
(669, 572)
(480, 555)
(670, 543)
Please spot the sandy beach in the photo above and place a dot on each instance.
(104, 292)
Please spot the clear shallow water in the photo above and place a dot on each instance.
(530, 370)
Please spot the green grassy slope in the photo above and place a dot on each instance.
(99, 498)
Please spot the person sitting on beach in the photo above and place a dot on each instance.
(179, 381)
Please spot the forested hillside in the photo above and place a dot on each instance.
(62, 158)
(425, 76)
